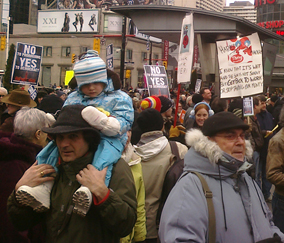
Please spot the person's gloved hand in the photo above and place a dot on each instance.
(176, 131)
(109, 126)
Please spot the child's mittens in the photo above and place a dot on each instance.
(107, 125)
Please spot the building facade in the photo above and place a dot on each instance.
(244, 9)
(270, 15)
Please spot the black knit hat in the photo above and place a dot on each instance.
(165, 103)
(150, 120)
(222, 121)
(51, 104)
(70, 120)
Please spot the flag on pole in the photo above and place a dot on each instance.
(186, 49)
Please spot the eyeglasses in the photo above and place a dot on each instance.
(232, 136)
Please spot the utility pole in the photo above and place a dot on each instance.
(122, 53)
(7, 38)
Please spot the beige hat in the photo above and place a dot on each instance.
(19, 97)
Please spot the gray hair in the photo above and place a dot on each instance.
(28, 120)
(4, 90)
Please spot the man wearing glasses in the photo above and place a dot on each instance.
(219, 153)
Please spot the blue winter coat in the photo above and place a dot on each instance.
(119, 105)
(242, 214)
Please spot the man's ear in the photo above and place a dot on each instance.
(37, 134)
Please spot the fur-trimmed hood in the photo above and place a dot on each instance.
(204, 154)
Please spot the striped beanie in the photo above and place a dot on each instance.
(90, 68)
(151, 102)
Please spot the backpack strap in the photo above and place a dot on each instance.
(211, 212)
(174, 149)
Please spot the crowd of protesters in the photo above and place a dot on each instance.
(103, 164)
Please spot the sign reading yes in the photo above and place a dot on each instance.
(157, 80)
(27, 63)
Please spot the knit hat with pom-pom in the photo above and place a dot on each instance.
(151, 102)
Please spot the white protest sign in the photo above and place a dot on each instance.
(186, 49)
(240, 66)
(197, 85)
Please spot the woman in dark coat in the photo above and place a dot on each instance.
(18, 151)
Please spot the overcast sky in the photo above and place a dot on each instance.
(231, 1)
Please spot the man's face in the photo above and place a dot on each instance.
(2, 94)
(93, 89)
(207, 94)
(71, 146)
(231, 142)
(257, 108)
(168, 113)
(12, 109)
(263, 105)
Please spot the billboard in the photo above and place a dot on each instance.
(91, 4)
(67, 21)
(26, 65)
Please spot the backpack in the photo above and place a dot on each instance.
(171, 177)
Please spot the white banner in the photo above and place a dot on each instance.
(65, 21)
(186, 50)
(240, 66)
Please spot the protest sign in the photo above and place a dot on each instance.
(186, 48)
(32, 91)
(26, 65)
(198, 85)
(248, 106)
(68, 76)
(240, 66)
(109, 56)
(157, 80)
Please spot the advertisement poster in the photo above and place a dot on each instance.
(157, 80)
(82, 21)
(26, 65)
(186, 49)
(89, 4)
(240, 66)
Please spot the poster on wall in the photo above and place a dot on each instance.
(240, 66)
(157, 80)
(186, 50)
(90, 4)
(26, 65)
(82, 21)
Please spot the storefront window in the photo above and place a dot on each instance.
(276, 8)
(277, 15)
(269, 17)
(281, 47)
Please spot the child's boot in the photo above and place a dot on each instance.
(82, 198)
(37, 197)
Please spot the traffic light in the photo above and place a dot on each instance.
(97, 45)
(165, 64)
(3, 43)
(127, 73)
(74, 57)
